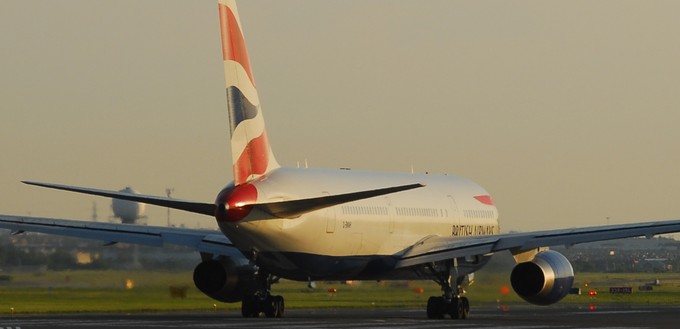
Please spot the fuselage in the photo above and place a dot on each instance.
(360, 239)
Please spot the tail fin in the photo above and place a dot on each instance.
(251, 154)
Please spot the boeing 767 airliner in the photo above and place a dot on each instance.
(312, 224)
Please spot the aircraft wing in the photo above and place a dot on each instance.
(205, 241)
(437, 248)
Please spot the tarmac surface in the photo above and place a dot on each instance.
(492, 317)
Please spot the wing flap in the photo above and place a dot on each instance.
(437, 248)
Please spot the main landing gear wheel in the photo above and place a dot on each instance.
(451, 303)
(459, 308)
(261, 300)
(456, 308)
(435, 308)
(250, 307)
(279, 306)
(271, 306)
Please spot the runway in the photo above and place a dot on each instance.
(516, 317)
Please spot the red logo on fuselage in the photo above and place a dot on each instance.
(485, 199)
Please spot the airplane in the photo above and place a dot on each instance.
(336, 224)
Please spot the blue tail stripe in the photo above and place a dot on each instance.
(240, 107)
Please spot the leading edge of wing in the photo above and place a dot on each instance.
(205, 241)
(190, 206)
(437, 248)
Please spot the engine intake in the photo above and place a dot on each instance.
(223, 280)
(544, 280)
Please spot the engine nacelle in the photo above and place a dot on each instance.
(223, 280)
(544, 280)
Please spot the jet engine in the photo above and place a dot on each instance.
(223, 280)
(544, 280)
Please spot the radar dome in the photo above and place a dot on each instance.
(127, 211)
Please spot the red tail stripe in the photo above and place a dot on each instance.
(253, 160)
(233, 44)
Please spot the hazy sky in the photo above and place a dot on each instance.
(567, 112)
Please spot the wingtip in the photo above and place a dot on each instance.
(28, 182)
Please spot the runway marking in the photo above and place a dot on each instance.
(616, 312)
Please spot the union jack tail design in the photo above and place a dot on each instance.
(250, 151)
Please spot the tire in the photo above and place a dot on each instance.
(279, 306)
(249, 308)
(435, 308)
(455, 308)
(269, 306)
(466, 308)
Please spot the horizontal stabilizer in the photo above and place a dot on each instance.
(190, 206)
(283, 209)
(296, 208)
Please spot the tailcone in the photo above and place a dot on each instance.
(235, 203)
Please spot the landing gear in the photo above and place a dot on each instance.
(451, 304)
(456, 308)
(270, 306)
(261, 301)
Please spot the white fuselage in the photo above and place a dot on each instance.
(356, 239)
